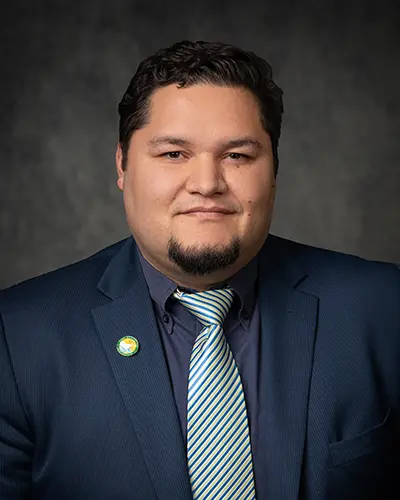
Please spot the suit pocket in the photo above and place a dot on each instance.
(365, 466)
(367, 443)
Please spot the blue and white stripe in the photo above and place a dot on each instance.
(218, 440)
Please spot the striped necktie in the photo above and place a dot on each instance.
(218, 440)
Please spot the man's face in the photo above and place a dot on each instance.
(199, 183)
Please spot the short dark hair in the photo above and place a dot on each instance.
(188, 63)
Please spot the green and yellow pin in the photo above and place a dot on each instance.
(127, 346)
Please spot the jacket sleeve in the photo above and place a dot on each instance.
(16, 444)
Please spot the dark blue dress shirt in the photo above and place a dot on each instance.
(179, 328)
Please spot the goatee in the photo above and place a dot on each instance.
(199, 260)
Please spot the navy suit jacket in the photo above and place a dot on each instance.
(78, 421)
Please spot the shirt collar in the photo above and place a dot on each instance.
(243, 283)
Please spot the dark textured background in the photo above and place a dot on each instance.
(66, 64)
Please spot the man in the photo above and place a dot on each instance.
(203, 357)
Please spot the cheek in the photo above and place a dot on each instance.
(257, 195)
(149, 189)
(257, 204)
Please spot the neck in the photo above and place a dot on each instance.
(216, 279)
(200, 283)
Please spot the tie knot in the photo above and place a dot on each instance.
(210, 307)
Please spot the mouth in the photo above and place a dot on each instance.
(214, 211)
(208, 214)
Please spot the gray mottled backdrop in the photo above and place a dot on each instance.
(65, 66)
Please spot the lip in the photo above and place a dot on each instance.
(208, 210)
(207, 215)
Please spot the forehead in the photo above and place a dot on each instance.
(196, 107)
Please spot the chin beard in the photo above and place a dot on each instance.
(199, 260)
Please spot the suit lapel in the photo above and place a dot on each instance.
(143, 379)
(288, 324)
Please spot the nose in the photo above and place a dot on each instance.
(206, 177)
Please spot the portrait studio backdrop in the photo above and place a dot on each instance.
(65, 67)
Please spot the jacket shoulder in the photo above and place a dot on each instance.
(333, 273)
(314, 259)
(71, 280)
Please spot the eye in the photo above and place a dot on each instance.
(238, 156)
(172, 155)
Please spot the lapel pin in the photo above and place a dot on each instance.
(127, 346)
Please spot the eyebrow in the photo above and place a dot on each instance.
(231, 143)
(168, 139)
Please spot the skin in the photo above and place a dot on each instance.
(197, 164)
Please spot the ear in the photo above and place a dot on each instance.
(120, 170)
